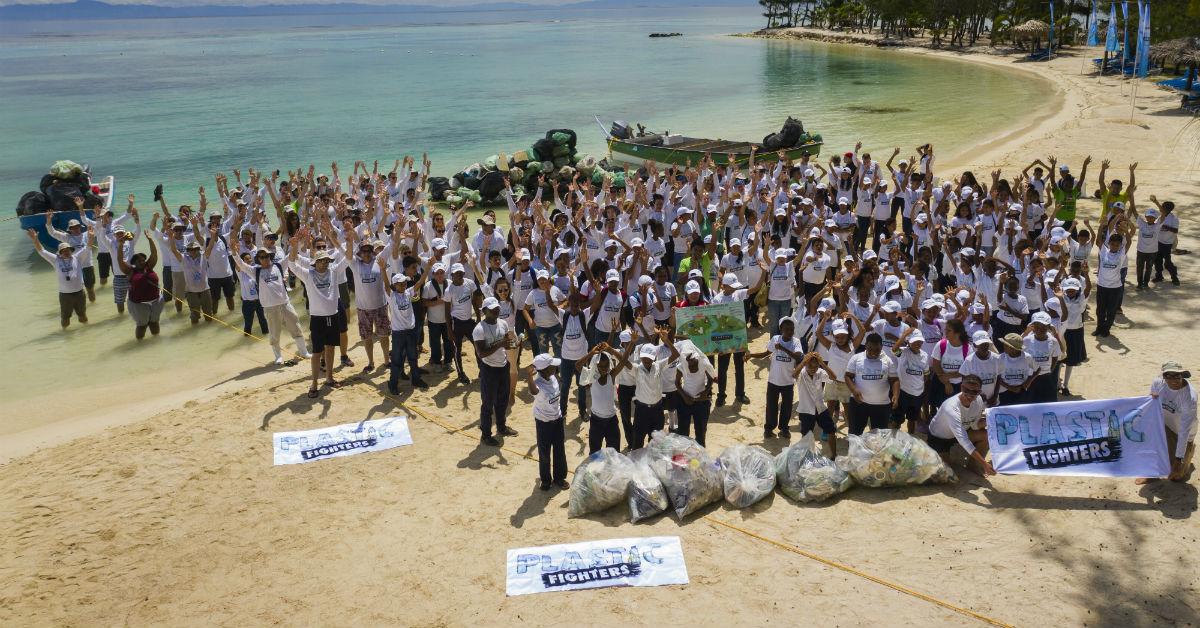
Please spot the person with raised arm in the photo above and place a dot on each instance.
(145, 297)
(68, 266)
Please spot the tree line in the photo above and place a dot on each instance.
(970, 22)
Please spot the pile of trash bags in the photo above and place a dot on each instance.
(806, 475)
(58, 190)
(791, 135)
(554, 157)
(674, 472)
(748, 474)
(894, 458)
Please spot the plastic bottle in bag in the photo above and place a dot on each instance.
(692, 478)
(647, 496)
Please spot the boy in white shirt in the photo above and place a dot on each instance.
(551, 437)
(1178, 399)
(599, 376)
(812, 375)
(694, 377)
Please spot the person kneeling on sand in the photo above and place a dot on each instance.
(1178, 399)
(960, 420)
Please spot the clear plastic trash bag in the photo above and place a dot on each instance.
(748, 474)
(692, 478)
(894, 458)
(647, 496)
(803, 473)
(600, 482)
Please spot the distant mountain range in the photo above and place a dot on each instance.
(94, 10)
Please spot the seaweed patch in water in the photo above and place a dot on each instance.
(871, 109)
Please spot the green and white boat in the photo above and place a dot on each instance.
(636, 148)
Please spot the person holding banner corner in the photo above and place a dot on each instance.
(1178, 399)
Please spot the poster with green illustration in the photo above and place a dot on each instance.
(713, 328)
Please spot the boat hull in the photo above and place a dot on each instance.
(37, 222)
(638, 154)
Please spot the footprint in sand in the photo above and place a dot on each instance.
(127, 471)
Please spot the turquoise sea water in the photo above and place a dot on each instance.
(174, 101)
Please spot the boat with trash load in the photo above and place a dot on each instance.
(56, 196)
(636, 145)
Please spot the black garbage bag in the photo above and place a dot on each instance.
(33, 203)
(63, 194)
(569, 132)
(787, 137)
(491, 185)
(545, 148)
(438, 186)
(471, 182)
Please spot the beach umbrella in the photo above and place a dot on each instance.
(1110, 37)
(1093, 27)
(1031, 29)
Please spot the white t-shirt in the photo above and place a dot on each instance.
(545, 402)
(782, 364)
(459, 297)
(609, 316)
(871, 377)
(1018, 303)
(574, 343)
(368, 286)
(1169, 237)
(810, 397)
(1043, 352)
(543, 316)
(489, 333)
(1147, 241)
(322, 288)
(1179, 412)
(912, 369)
(1109, 273)
(68, 272)
(666, 294)
(695, 383)
(951, 358)
(400, 311)
(988, 371)
(781, 282)
(890, 333)
(1015, 370)
(817, 267)
(648, 389)
(837, 359)
(601, 396)
(953, 420)
(435, 307)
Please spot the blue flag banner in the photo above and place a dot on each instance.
(1142, 65)
(1099, 438)
(1124, 30)
(1093, 28)
(1110, 37)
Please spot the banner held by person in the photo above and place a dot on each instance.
(637, 562)
(1095, 437)
(717, 328)
(341, 440)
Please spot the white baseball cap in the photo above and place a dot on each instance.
(612, 275)
(645, 280)
(730, 279)
(399, 278)
(1041, 317)
(891, 307)
(916, 337)
(457, 268)
(981, 337)
(735, 242)
(438, 243)
(693, 287)
(544, 361)
(648, 351)
(491, 303)
(543, 274)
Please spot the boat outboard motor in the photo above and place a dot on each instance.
(621, 130)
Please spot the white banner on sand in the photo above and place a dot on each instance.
(341, 440)
(1093, 437)
(641, 562)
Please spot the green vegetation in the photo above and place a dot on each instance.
(970, 22)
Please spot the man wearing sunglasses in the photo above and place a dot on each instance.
(1178, 399)
(959, 420)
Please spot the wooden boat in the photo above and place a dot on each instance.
(668, 148)
(105, 188)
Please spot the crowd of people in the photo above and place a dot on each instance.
(890, 297)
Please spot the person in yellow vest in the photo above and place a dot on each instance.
(1114, 192)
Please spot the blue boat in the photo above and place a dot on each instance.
(105, 189)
